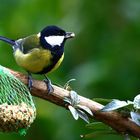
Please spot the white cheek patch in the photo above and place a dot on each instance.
(54, 40)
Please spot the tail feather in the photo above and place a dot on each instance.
(7, 40)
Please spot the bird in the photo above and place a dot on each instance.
(40, 53)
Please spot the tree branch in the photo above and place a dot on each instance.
(115, 120)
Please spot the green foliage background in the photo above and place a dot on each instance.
(104, 57)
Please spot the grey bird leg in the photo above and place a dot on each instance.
(48, 84)
(30, 82)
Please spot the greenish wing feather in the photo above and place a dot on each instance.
(30, 43)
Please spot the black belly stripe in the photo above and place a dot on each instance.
(56, 56)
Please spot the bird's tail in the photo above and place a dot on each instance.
(7, 40)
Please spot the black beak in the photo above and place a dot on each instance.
(69, 35)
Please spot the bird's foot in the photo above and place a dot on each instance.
(49, 85)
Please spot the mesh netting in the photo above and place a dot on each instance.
(13, 91)
(17, 109)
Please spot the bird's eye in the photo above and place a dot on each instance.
(59, 33)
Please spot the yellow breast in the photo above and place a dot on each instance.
(35, 60)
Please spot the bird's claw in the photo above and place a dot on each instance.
(49, 86)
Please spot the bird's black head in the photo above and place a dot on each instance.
(53, 31)
(53, 36)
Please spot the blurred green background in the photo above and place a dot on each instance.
(104, 56)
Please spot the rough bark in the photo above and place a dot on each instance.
(115, 120)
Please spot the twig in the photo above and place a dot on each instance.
(115, 120)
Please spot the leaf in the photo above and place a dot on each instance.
(135, 117)
(74, 98)
(73, 112)
(83, 115)
(68, 100)
(129, 102)
(85, 109)
(98, 126)
(137, 102)
(127, 137)
(115, 104)
(130, 105)
(66, 86)
(98, 133)
(102, 100)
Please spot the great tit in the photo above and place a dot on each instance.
(40, 53)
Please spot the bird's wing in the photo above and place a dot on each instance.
(29, 43)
